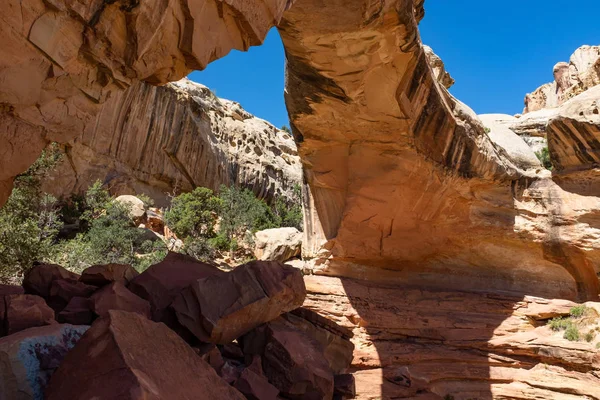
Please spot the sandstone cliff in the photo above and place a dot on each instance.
(570, 79)
(156, 140)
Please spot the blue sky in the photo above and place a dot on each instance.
(496, 50)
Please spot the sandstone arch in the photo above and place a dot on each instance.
(404, 185)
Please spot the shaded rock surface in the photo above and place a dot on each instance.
(100, 275)
(117, 297)
(147, 359)
(24, 311)
(38, 280)
(221, 308)
(30, 357)
(162, 282)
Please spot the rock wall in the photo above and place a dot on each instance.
(158, 140)
(440, 235)
(570, 79)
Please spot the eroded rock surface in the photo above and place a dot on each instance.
(581, 73)
(160, 140)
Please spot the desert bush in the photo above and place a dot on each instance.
(578, 311)
(544, 156)
(193, 214)
(572, 333)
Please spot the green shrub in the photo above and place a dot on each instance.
(559, 324)
(290, 214)
(286, 129)
(590, 336)
(199, 248)
(147, 200)
(193, 214)
(578, 311)
(572, 333)
(30, 220)
(544, 157)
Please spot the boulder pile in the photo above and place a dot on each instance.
(182, 329)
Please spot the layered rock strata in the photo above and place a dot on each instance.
(171, 139)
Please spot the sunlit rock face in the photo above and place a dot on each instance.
(570, 79)
(406, 184)
(173, 138)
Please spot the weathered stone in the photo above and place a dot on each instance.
(7, 290)
(155, 221)
(439, 69)
(337, 348)
(77, 312)
(278, 244)
(25, 311)
(570, 79)
(117, 297)
(162, 282)
(135, 206)
(38, 280)
(30, 357)
(177, 137)
(221, 308)
(292, 361)
(344, 386)
(146, 359)
(65, 289)
(255, 386)
(100, 275)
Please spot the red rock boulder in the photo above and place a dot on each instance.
(63, 290)
(253, 384)
(117, 297)
(7, 290)
(77, 312)
(30, 357)
(292, 361)
(162, 282)
(24, 311)
(101, 275)
(344, 386)
(38, 280)
(139, 360)
(221, 308)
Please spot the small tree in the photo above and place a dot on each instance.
(544, 156)
(286, 129)
(194, 214)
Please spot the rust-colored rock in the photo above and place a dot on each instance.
(221, 308)
(255, 386)
(100, 275)
(38, 280)
(7, 290)
(344, 386)
(77, 312)
(25, 311)
(65, 289)
(30, 357)
(162, 282)
(292, 361)
(140, 359)
(334, 340)
(117, 297)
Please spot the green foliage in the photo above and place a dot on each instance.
(544, 157)
(290, 215)
(147, 200)
(96, 199)
(578, 311)
(487, 130)
(572, 333)
(29, 221)
(200, 248)
(559, 324)
(286, 129)
(241, 211)
(589, 336)
(194, 214)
